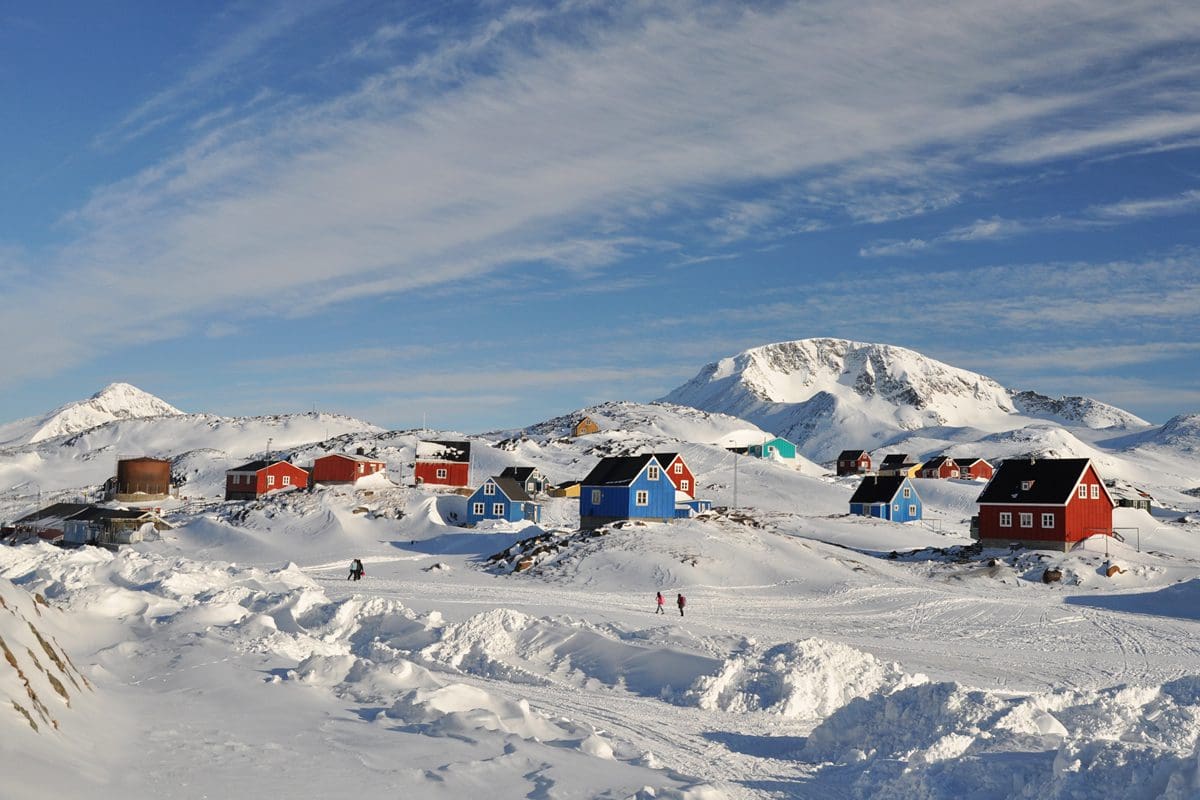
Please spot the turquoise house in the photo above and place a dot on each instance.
(773, 448)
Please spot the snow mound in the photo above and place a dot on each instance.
(936, 740)
(809, 679)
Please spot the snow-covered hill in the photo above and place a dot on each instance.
(830, 394)
(117, 401)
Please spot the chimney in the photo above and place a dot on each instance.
(361, 451)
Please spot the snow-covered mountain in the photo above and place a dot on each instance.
(829, 394)
(1077, 410)
(117, 401)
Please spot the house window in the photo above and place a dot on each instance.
(678, 469)
(287, 480)
(270, 480)
(1083, 490)
(361, 468)
(498, 509)
(1026, 519)
(477, 509)
(907, 492)
(1095, 491)
(642, 498)
(595, 497)
(1005, 519)
(912, 511)
(685, 485)
(953, 473)
(652, 473)
(896, 507)
(489, 488)
(441, 473)
(1047, 520)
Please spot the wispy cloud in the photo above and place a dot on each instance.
(500, 147)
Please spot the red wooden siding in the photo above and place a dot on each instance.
(338, 468)
(457, 473)
(684, 474)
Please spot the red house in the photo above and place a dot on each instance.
(678, 472)
(853, 462)
(1046, 504)
(975, 468)
(443, 463)
(940, 467)
(261, 477)
(343, 468)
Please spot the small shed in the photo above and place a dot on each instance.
(778, 447)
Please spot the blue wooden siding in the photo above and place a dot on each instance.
(620, 502)
(898, 510)
(513, 510)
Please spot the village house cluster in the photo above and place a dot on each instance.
(1032, 502)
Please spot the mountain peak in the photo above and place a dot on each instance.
(827, 394)
(114, 402)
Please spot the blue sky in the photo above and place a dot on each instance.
(492, 213)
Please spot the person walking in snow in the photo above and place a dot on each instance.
(356, 570)
(660, 599)
(680, 601)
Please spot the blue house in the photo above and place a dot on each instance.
(626, 487)
(890, 497)
(772, 448)
(685, 508)
(502, 498)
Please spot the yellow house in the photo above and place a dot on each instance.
(585, 426)
(568, 489)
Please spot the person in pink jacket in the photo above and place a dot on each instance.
(660, 600)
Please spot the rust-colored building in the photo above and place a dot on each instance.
(940, 467)
(443, 463)
(585, 426)
(142, 478)
(853, 462)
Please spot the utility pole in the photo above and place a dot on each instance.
(268, 448)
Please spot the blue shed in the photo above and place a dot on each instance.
(502, 498)
(626, 487)
(890, 497)
(772, 448)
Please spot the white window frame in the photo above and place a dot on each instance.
(442, 473)
(652, 473)
(896, 507)
(912, 510)
(641, 498)
(1083, 491)
(270, 480)
(678, 468)
(597, 496)
(1047, 519)
(1095, 491)
(1005, 519)
(498, 509)
(1026, 519)
(489, 488)
(907, 492)
(478, 508)
(685, 485)
(287, 480)
(362, 468)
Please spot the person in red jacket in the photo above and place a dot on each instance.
(660, 600)
(680, 601)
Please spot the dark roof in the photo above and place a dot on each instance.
(253, 466)
(896, 459)
(437, 450)
(518, 474)
(851, 455)
(665, 459)
(512, 490)
(55, 511)
(966, 461)
(875, 489)
(937, 461)
(617, 470)
(1053, 480)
